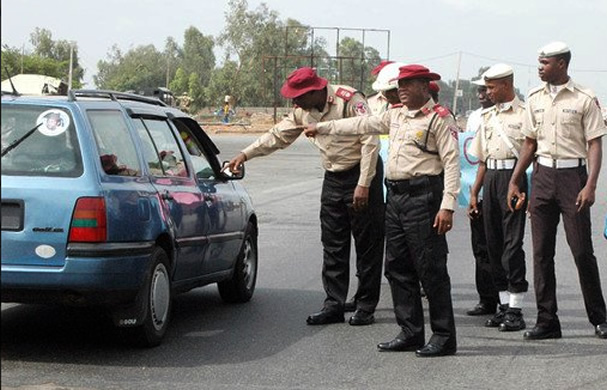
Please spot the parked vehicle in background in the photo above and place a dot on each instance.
(118, 200)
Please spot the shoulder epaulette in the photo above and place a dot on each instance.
(586, 91)
(535, 90)
(344, 93)
(441, 111)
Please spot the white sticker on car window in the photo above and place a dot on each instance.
(53, 122)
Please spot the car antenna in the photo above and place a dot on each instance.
(10, 79)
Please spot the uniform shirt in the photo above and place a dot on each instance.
(407, 128)
(378, 103)
(564, 124)
(337, 153)
(488, 142)
(474, 120)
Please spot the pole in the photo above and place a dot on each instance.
(69, 80)
(22, 56)
(459, 63)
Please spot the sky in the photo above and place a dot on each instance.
(440, 34)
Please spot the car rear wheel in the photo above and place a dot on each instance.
(157, 295)
(241, 286)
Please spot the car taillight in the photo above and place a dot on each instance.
(89, 221)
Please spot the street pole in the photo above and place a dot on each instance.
(459, 63)
(69, 80)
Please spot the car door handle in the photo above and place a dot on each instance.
(166, 195)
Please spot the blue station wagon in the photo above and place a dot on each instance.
(118, 200)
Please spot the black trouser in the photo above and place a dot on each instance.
(554, 192)
(416, 253)
(339, 221)
(482, 274)
(505, 231)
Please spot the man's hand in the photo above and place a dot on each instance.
(473, 211)
(443, 221)
(513, 193)
(585, 198)
(235, 163)
(361, 198)
(310, 130)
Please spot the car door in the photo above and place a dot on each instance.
(226, 215)
(180, 195)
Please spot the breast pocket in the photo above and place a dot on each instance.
(570, 121)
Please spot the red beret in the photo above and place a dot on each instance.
(301, 81)
(379, 67)
(434, 87)
(416, 72)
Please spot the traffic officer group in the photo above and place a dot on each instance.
(560, 130)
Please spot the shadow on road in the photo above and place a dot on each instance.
(203, 330)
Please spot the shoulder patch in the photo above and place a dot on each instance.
(361, 109)
(441, 111)
(344, 93)
(535, 90)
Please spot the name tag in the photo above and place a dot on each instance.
(569, 111)
(538, 111)
(515, 126)
(395, 125)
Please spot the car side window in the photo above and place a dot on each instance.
(202, 166)
(161, 147)
(117, 151)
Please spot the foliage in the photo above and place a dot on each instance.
(49, 57)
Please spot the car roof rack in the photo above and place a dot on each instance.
(113, 95)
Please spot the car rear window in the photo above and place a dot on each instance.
(39, 141)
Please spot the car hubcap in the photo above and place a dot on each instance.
(160, 296)
(249, 264)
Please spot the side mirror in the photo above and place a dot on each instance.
(228, 174)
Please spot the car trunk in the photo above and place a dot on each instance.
(35, 226)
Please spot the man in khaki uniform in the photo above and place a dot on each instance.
(423, 183)
(497, 145)
(564, 129)
(377, 101)
(352, 194)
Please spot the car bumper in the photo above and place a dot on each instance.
(91, 275)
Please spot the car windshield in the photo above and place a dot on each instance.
(49, 150)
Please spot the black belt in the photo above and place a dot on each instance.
(413, 185)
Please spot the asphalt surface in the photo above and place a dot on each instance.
(265, 344)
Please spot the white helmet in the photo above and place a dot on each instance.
(387, 78)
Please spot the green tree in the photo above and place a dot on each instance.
(180, 83)
(140, 68)
(357, 64)
(49, 57)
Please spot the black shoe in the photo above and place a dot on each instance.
(401, 344)
(540, 333)
(513, 321)
(350, 305)
(362, 317)
(601, 330)
(498, 318)
(432, 350)
(325, 316)
(482, 309)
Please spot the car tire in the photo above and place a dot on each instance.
(157, 297)
(240, 287)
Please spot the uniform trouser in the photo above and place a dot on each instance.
(505, 231)
(482, 274)
(414, 253)
(339, 221)
(555, 192)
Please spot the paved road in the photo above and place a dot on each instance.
(266, 344)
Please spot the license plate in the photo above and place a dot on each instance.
(12, 215)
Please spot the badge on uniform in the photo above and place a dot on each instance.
(454, 130)
(360, 109)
